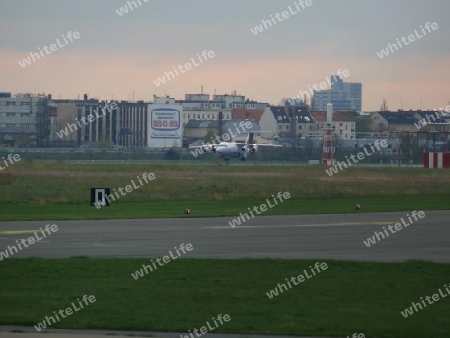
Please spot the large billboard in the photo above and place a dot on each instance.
(165, 126)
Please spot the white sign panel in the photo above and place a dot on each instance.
(165, 126)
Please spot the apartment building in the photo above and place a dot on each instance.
(342, 95)
(201, 107)
(344, 126)
(288, 121)
(26, 114)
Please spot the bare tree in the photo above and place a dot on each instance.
(384, 105)
(283, 102)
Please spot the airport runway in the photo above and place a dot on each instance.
(305, 236)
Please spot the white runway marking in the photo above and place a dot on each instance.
(114, 246)
(298, 225)
(24, 238)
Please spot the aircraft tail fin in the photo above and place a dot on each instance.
(250, 139)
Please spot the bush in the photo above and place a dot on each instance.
(172, 155)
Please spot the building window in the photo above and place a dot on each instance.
(280, 127)
(10, 125)
(25, 125)
(10, 103)
(189, 116)
(25, 103)
(10, 114)
(25, 114)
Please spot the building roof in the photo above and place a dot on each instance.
(433, 116)
(246, 114)
(286, 113)
(322, 117)
(232, 124)
(202, 124)
(400, 117)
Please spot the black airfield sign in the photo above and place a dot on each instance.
(98, 196)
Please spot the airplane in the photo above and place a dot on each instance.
(227, 150)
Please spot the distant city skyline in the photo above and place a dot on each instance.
(120, 56)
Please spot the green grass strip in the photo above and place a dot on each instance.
(348, 297)
(174, 209)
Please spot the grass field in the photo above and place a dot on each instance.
(62, 191)
(348, 297)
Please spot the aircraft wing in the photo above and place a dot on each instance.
(206, 148)
(267, 145)
(261, 144)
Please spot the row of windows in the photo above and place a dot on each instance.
(280, 127)
(346, 135)
(311, 127)
(21, 114)
(208, 116)
(230, 105)
(340, 125)
(14, 103)
(22, 125)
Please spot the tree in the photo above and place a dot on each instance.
(22, 140)
(210, 135)
(294, 102)
(283, 134)
(362, 125)
(384, 105)
(172, 155)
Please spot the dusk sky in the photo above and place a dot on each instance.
(116, 55)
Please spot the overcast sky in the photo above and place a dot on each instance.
(118, 55)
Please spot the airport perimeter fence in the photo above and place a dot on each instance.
(404, 149)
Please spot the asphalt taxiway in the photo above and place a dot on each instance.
(304, 236)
